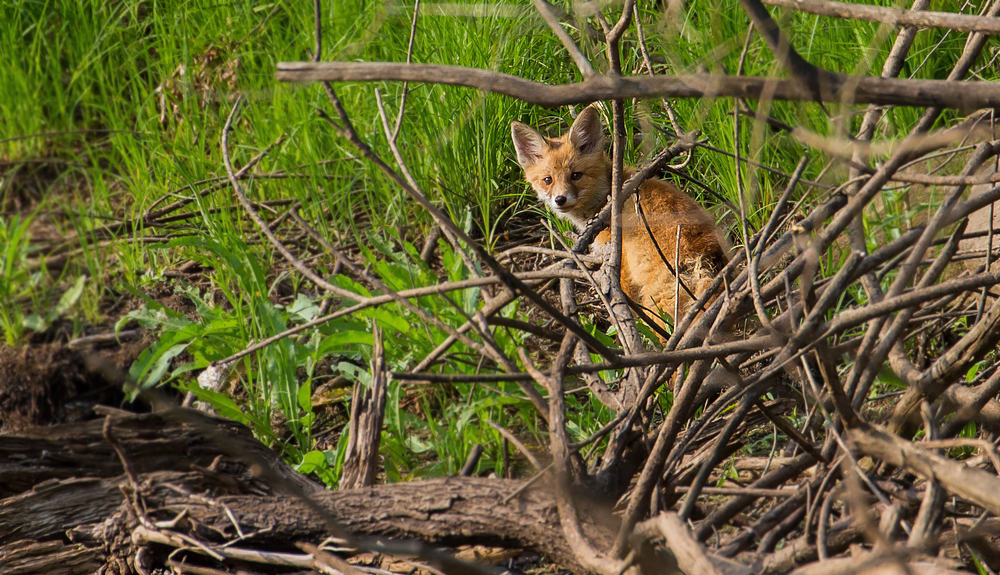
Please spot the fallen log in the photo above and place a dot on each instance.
(212, 497)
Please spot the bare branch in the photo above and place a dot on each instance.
(841, 88)
(893, 16)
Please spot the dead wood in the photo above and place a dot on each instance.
(851, 89)
(53, 557)
(365, 429)
(216, 505)
(978, 486)
(78, 451)
(894, 16)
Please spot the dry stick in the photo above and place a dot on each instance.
(863, 373)
(488, 348)
(976, 485)
(892, 67)
(365, 425)
(928, 180)
(735, 419)
(815, 498)
(898, 358)
(804, 337)
(561, 254)
(567, 298)
(843, 148)
(758, 303)
(971, 348)
(691, 557)
(983, 445)
(653, 468)
(382, 299)
(611, 270)
(968, 412)
(524, 326)
(261, 224)
(948, 368)
(517, 443)
(616, 33)
(473, 269)
(922, 532)
(864, 90)
(839, 222)
(333, 564)
(989, 249)
(916, 17)
(807, 336)
(775, 477)
(639, 409)
(222, 181)
(590, 278)
(495, 305)
(741, 491)
(563, 459)
(854, 315)
(765, 235)
(769, 520)
(150, 215)
(348, 132)
(406, 85)
(778, 533)
(705, 352)
(548, 14)
(882, 345)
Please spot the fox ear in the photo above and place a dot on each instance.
(587, 133)
(530, 145)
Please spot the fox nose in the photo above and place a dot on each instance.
(560, 200)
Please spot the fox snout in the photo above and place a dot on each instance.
(561, 200)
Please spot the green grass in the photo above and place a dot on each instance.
(123, 104)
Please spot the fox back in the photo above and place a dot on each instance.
(572, 176)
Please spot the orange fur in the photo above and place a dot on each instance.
(572, 176)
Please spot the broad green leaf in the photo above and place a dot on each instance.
(68, 299)
(152, 365)
(311, 462)
(305, 397)
(304, 308)
(344, 338)
(35, 322)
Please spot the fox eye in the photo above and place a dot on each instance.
(576, 176)
(547, 180)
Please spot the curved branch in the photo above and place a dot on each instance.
(841, 88)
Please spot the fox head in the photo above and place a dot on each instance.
(571, 174)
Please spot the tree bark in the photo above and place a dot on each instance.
(175, 478)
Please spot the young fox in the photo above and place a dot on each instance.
(572, 176)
